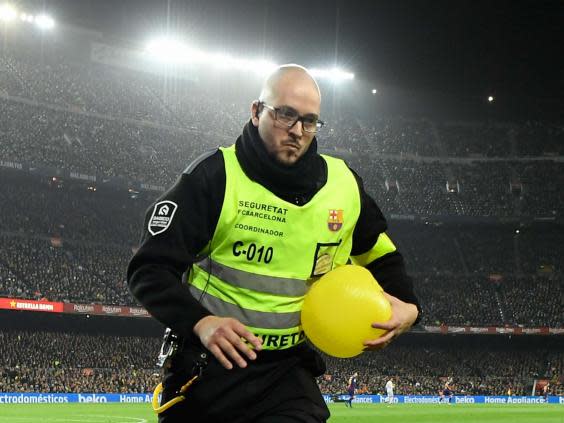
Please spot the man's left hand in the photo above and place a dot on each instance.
(403, 317)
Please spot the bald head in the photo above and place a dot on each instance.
(289, 77)
(289, 87)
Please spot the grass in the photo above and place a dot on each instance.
(361, 413)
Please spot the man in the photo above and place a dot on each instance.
(351, 388)
(546, 391)
(250, 227)
(390, 391)
(446, 394)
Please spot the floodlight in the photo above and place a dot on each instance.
(44, 21)
(26, 18)
(168, 49)
(264, 67)
(7, 13)
(333, 74)
(172, 50)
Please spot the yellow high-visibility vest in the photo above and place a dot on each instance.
(266, 252)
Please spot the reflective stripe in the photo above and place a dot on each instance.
(383, 246)
(243, 297)
(261, 283)
(247, 317)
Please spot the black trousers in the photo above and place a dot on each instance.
(279, 387)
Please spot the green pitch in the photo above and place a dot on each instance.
(361, 413)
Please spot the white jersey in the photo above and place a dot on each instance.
(389, 387)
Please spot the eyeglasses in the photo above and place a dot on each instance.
(288, 117)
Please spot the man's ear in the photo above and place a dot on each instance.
(255, 112)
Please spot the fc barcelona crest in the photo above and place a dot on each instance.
(335, 220)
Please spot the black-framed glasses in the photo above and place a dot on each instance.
(288, 117)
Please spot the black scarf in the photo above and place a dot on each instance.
(296, 183)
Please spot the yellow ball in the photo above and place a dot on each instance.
(339, 309)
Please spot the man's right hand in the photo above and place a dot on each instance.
(223, 336)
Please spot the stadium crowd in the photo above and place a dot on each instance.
(76, 362)
(53, 76)
(54, 380)
(35, 269)
(129, 151)
(39, 361)
(65, 242)
(70, 241)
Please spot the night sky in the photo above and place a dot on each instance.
(467, 50)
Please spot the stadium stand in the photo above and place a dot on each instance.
(84, 362)
(65, 242)
(86, 148)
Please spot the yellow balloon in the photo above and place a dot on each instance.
(339, 309)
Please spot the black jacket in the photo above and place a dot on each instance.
(155, 272)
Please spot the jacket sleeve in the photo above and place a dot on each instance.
(176, 231)
(373, 249)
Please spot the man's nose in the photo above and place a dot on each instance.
(297, 129)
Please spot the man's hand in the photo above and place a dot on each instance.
(223, 336)
(403, 317)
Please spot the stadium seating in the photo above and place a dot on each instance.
(75, 362)
(475, 207)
